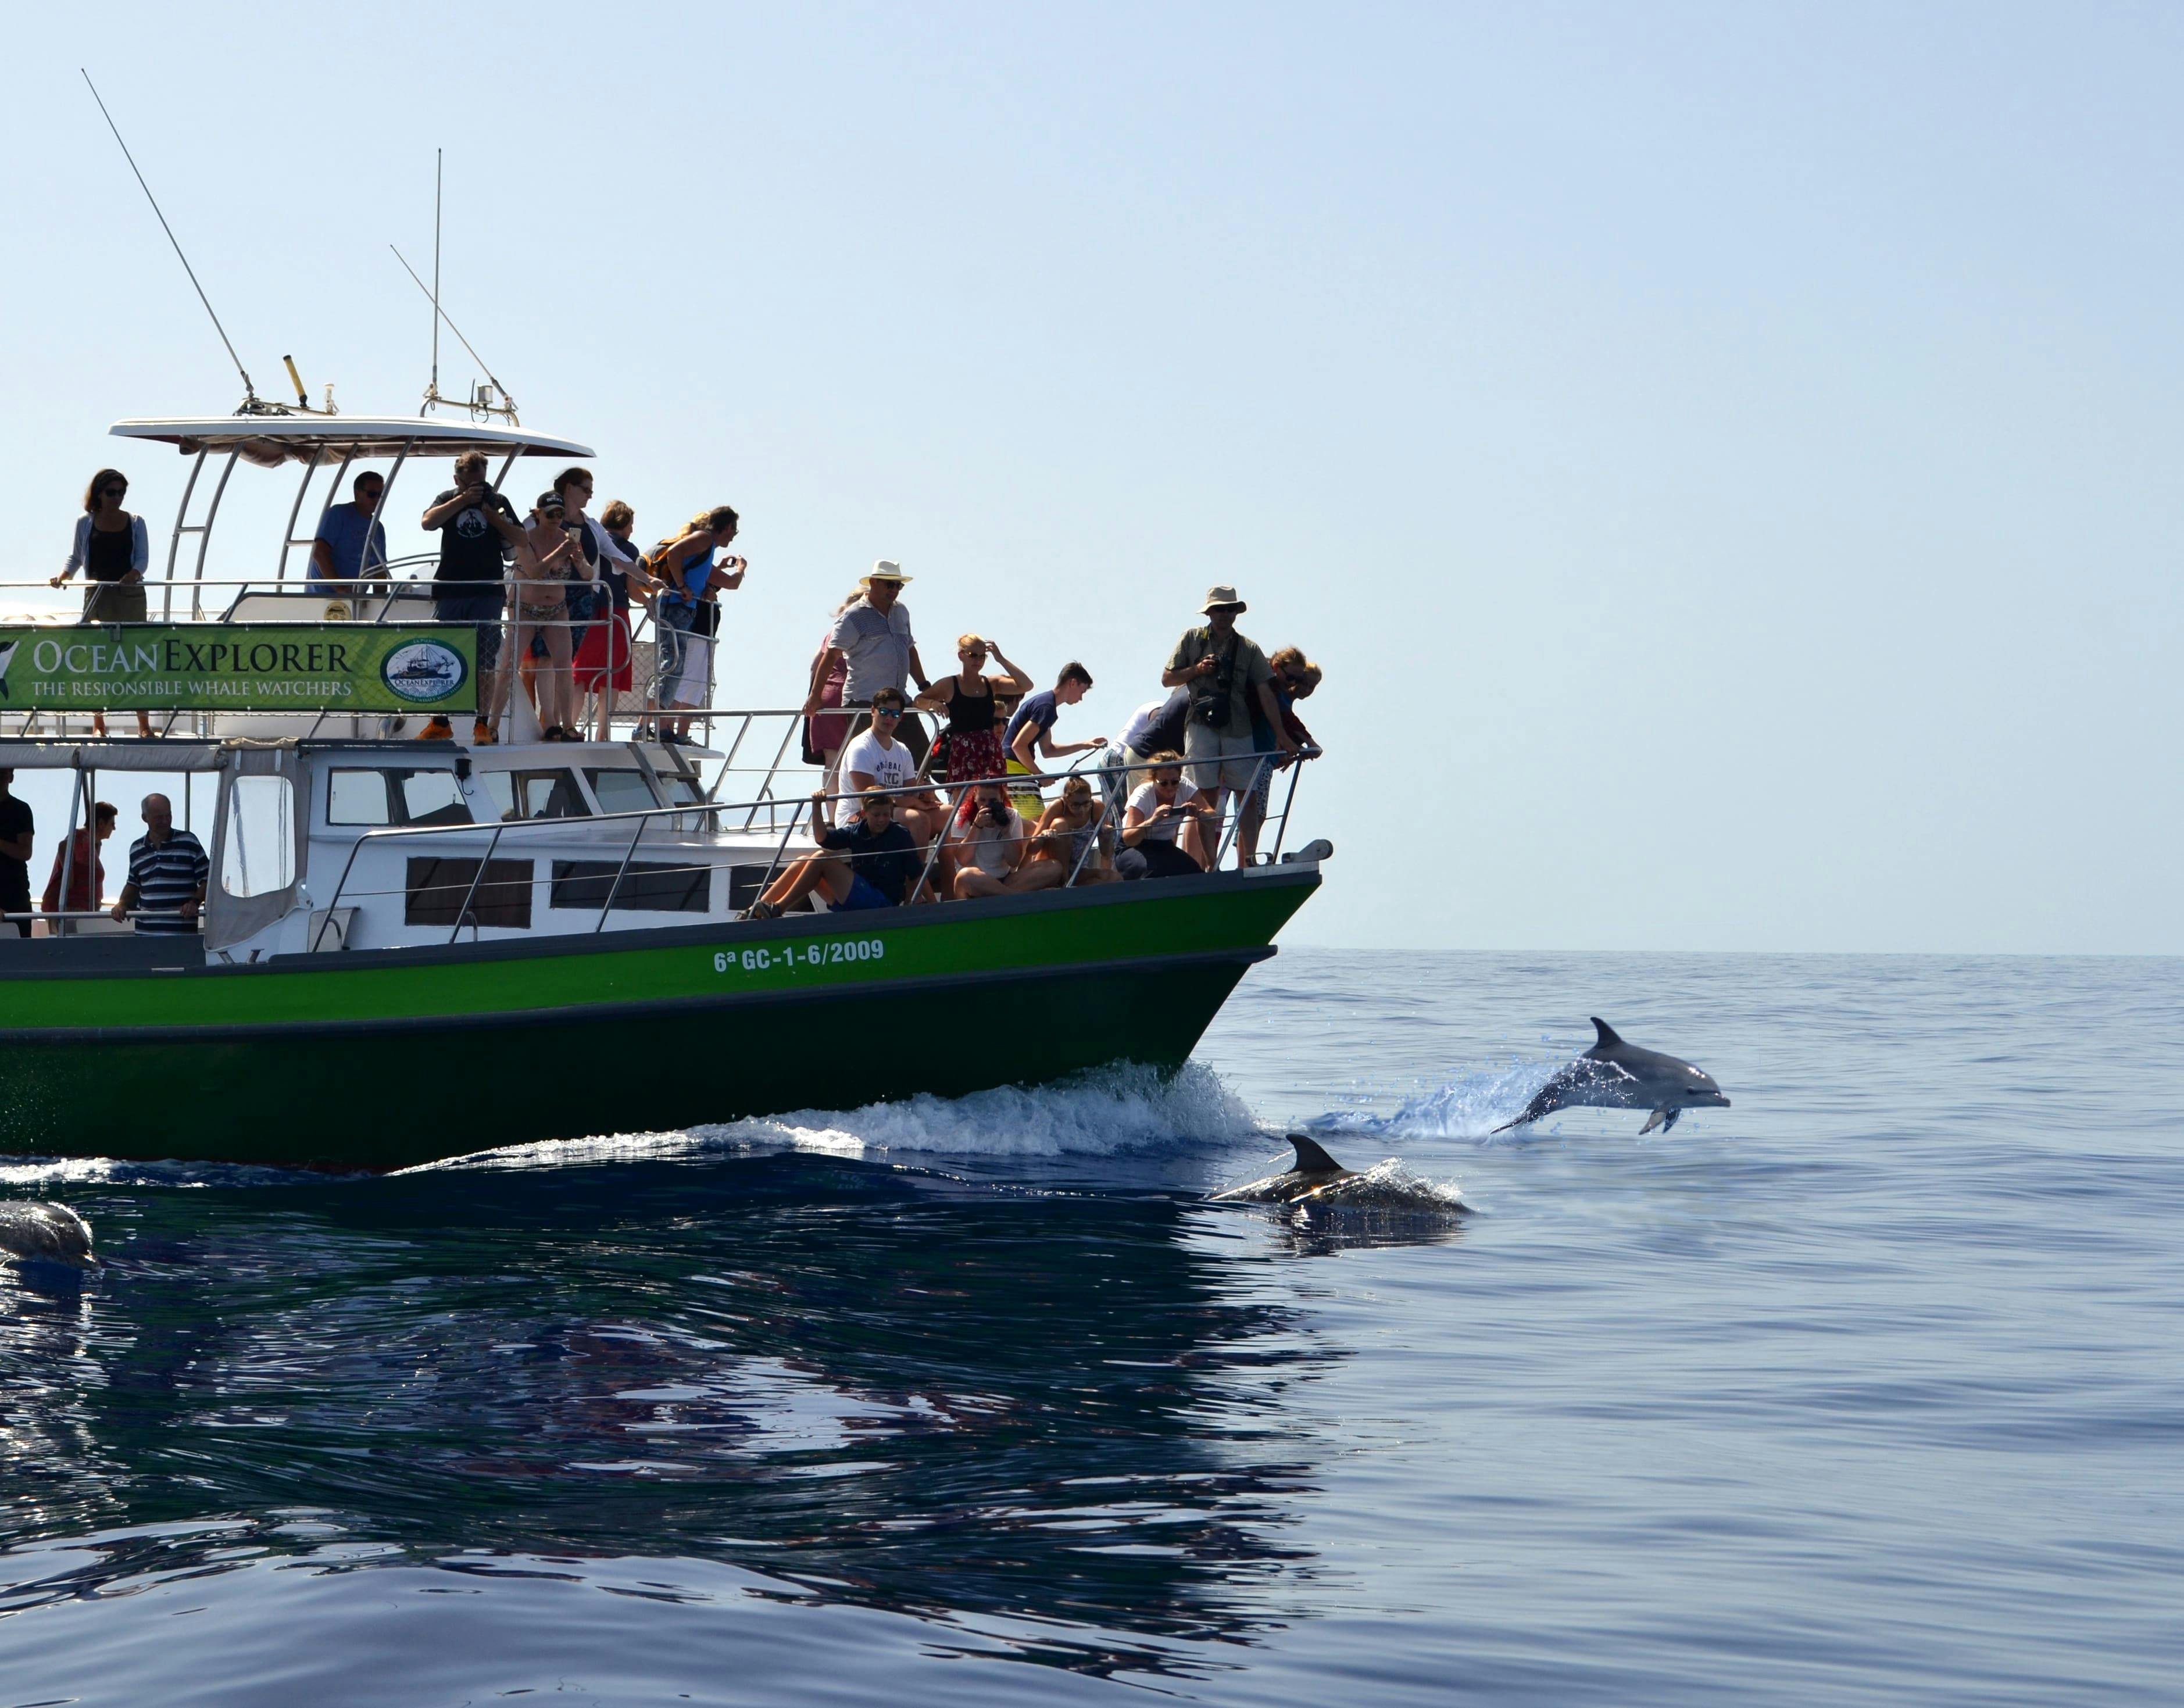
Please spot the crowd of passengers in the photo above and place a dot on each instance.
(903, 816)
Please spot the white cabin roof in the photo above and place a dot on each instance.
(270, 440)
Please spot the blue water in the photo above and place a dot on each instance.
(1866, 1389)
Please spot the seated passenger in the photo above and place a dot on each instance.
(876, 759)
(167, 874)
(1160, 812)
(991, 847)
(1072, 836)
(350, 546)
(873, 862)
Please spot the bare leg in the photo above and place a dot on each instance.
(1035, 874)
(806, 874)
(971, 884)
(560, 692)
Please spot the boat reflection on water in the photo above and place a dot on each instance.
(872, 1384)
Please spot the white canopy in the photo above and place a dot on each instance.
(271, 440)
(169, 756)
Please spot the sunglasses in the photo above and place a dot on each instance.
(113, 491)
(886, 711)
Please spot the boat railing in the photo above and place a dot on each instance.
(1115, 775)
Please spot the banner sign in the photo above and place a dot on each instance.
(242, 667)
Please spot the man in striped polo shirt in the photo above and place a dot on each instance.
(167, 874)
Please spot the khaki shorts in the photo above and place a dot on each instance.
(114, 602)
(1215, 759)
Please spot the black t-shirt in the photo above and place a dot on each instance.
(15, 874)
(471, 548)
(888, 862)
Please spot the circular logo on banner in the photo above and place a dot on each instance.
(424, 670)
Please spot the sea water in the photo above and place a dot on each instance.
(1868, 1388)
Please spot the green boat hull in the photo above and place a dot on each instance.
(388, 1059)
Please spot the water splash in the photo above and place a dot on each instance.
(1108, 1112)
(1470, 1107)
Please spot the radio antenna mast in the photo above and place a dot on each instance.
(477, 403)
(438, 155)
(251, 405)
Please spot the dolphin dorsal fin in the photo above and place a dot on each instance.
(1310, 1159)
(1606, 1034)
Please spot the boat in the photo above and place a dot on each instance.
(413, 949)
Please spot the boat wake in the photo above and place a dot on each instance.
(1109, 1112)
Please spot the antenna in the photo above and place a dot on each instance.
(251, 405)
(481, 401)
(438, 156)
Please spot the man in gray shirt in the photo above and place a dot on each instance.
(873, 636)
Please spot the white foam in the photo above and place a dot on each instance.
(1109, 1112)
(1468, 1108)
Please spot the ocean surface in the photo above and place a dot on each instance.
(1869, 1388)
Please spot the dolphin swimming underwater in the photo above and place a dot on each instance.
(1314, 1173)
(31, 1232)
(1615, 1075)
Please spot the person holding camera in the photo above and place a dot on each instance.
(1226, 675)
(478, 533)
(991, 847)
(1163, 815)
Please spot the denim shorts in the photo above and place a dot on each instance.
(863, 894)
(672, 622)
(485, 608)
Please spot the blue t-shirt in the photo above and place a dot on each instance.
(1040, 708)
(343, 527)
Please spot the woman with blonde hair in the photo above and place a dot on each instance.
(1071, 831)
(113, 550)
(972, 700)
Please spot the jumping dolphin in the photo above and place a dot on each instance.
(1615, 1075)
(31, 1232)
(1314, 1173)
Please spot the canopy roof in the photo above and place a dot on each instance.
(271, 440)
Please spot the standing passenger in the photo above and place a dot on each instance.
(167, 874)
(970, 699)
(826, 729)
(1031, 732)
(873, 639)
(687, 572)
(113, 550)
(17, 826)
(548, 558)
(602, 664)
(478, 531)
(1226, 675)
(78, 859)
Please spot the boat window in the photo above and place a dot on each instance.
(536, 794)
(357, 797)
(619, 790)
(682, 790)
(260, 854)
(431, 797)
(395, 797)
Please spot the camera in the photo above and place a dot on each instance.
(994, 812)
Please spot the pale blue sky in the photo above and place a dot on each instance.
(1723, 456)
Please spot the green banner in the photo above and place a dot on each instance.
(242, 667)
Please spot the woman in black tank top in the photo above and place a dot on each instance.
(108, 541)
(969, 698)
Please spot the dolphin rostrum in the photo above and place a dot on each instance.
(1314, 1173)
(1615, 1075)
(31, 1232)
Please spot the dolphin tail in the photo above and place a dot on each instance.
(1606, 1037)
(1665, 1120)
(1310, 1159)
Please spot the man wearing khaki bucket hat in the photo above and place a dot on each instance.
(872, 637)
(1226, 673)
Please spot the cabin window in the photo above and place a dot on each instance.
(436, 890)
(619, 790)
(259, 856)
(536, 794)
(384, 797)
(357, 797)
(644, 887)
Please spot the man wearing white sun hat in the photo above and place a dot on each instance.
(872, 637)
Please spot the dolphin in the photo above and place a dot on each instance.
(1615, 1075)
(31, 1232)
(1314, 1173)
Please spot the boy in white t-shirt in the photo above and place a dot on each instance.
(875, 760)
(991, 848)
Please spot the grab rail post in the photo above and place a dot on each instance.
(628, 855)
(477, 877)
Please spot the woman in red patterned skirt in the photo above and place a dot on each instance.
(974, 721)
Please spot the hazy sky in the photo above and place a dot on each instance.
(1723, 457)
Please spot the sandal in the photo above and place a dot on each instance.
(763, 909)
